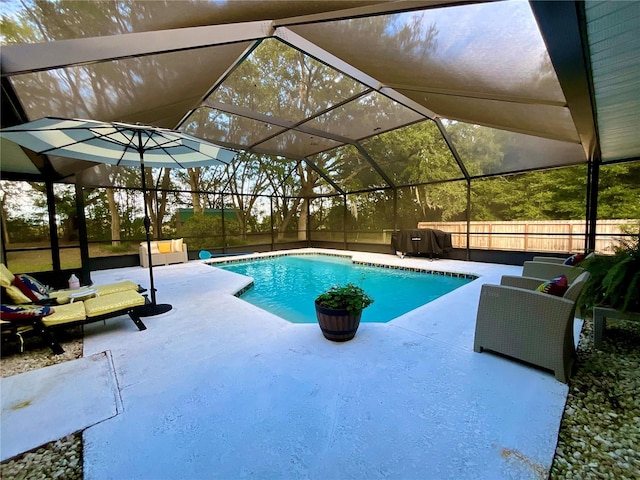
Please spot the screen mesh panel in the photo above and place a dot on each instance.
(368, 115)
(279, 81)
(548, 121)
(348, 169)
(59, 20)
(295, 144)
(413, 154)
(493, 48)
(486, 150)
(156, 89)
(228, 129)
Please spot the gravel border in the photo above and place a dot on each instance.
(599, 434)
(60, 459)
(600, 430)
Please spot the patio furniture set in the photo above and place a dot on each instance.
(38, 309)
(528, 318)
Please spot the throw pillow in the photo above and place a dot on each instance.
(6, 277)
(176, 245)
(39, 289)
(24, 312)
(164, 247)
(16, 295)
(574, 259)
(556, 286)
(24, 288)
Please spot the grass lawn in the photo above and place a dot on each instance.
(40, 260)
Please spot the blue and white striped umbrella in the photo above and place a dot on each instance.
(116, 143)
(120, 144)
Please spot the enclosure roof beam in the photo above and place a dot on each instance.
(454, 151)
(324, 176)
(382, 8)
(35, 57)
(560, 27)
(375, 165)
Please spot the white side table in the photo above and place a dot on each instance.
(83, 294)
(600, 315)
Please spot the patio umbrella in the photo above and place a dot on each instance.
(120, 144)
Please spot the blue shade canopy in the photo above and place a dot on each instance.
(116, 143)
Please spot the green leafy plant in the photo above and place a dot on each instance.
(615, 279)
(349, 297)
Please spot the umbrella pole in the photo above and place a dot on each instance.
(152, 308)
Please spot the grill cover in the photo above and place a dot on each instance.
(421, 240)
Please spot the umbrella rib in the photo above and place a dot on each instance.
(161, 146)
(77, 142)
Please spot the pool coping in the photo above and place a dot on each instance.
(267, 255)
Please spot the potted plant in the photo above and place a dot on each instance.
(615, 279)
(339, 310)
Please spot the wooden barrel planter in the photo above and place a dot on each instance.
(337, 325)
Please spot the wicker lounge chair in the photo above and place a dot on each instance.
(545, 270)
(83, 312)
(560, 260)
(517, 321)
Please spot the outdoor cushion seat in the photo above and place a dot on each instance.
(107, 304)
(523, 323)
(164, 252)
(63, 314)
(62, 296)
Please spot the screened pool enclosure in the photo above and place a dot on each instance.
(511, 124)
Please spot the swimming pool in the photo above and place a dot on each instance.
(287, 285)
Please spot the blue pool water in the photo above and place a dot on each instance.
(288, 285)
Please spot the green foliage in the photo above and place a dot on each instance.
(349, 297)
(204, 231)
(615, 279)
(122, 247)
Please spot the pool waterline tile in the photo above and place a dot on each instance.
(468, 276)
(408, 296)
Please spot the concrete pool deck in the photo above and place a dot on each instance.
(217, 388)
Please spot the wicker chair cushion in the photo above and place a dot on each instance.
(556, 286)
(574, 259)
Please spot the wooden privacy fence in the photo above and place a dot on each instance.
(535, 236)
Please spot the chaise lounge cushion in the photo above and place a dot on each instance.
(112, 303)
(6, 277)
(71, 312)
(16, 295)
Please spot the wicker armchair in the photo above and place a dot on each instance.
(516, 320)
(547, 270)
